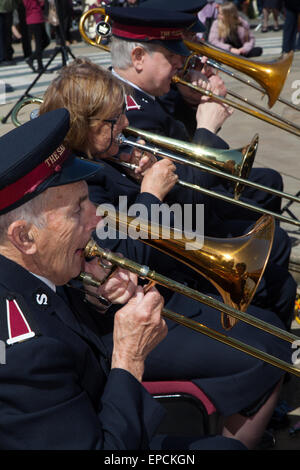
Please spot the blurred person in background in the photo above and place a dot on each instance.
(232, 33)
(35, 20)
(7, 8)
(273, 6)
(290, 27)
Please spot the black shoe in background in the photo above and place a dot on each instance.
(29, 62)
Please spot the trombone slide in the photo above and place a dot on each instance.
(190, 161)
(92, 249)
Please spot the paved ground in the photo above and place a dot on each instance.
(278, 149)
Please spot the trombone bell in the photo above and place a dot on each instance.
(92, 249)
(270, 75)
(82, 29)
(234, 266)
(236, 162)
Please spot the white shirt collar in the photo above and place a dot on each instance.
(132, 84)
(46, 281)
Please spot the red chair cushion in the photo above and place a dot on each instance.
(177, 386)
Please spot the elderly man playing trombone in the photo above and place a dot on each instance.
(182, 103)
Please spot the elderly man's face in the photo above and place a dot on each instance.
(70, 218)
(158, 70)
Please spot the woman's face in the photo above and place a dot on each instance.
(101, 139)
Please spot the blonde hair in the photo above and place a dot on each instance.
(87, 91)
(230, 21)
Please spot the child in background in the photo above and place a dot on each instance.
(232, 33)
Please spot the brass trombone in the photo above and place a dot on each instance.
(92, 249)
(270, 75)
(253, 85)
(234, 164)
(229, 264)
(20, 105)
(192, 152)
(216, 65)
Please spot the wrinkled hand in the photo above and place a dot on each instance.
(201, 76)
(118, 288)
(217, 85)
(207, 70)
(160, 178)
(210, 114)
(143, 161)
(192, 97)
(138, 329)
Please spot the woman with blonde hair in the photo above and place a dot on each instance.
(95, 99)
(91, 94)
(232, 33)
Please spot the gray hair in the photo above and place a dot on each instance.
(121, 51)
(31, 211)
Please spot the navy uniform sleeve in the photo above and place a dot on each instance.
(43, 404)
(207, 138)
(174, 104)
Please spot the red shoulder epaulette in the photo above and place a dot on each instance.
(15, 319)
(131, 103)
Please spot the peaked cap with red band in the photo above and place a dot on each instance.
(162, 27)
(186, 6)
(33, 158)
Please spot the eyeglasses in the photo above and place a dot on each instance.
(112, 121)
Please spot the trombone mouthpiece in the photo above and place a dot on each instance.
(89, 251)
(120, 139)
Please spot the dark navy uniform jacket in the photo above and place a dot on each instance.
(57, 391)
